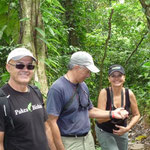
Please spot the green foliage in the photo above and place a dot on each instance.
(55, 35)
(127, 30)
(9, 24)
(141, 137)
(90, 19)
(143, 94)
(98, 148)
(9, 33)
(90, 23)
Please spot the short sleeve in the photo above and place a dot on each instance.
(54, 102)
(45, 114)
(2, 118)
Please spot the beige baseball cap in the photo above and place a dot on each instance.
(84, 59)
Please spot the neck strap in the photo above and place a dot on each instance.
(112, 99)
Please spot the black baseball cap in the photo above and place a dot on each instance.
(115, 68)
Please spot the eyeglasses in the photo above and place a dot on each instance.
(84, 101)
(21, 66)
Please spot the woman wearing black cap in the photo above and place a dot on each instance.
(112, 134)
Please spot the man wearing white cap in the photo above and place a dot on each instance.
(23, 118)
(69, 106)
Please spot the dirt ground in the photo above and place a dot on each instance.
(139, 136)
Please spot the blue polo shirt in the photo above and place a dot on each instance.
(75, 120)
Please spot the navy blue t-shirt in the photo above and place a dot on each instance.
(74, 120)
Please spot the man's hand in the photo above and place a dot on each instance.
(119, 113)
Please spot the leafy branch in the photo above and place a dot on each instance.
(105, 49)
(136, 48)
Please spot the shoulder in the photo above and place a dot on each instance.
(4, 89)
(102, 99)
(83, 84)
(3, 98)
(59, 83)
(35, 88)
(103, 92)
(131, 95)
(130, 92)
(59, 86)
(2, 93)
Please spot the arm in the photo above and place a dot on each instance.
(98, 113)
(135, 116)
(49, 136)
(1, 140)
(134, 109)
(52, 120)
(118, 113)
(101, 114)
(102, 99)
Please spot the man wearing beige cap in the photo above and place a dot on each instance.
(23, 118)
(69, 106)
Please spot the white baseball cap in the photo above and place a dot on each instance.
(84, 59)
(19, 53)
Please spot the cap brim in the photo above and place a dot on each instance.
(93, 68)
(21, 56)
(117, 71)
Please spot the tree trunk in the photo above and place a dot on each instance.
(70, 21)
(146, 6)
(30, 13)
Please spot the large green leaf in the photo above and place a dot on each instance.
(2, 30)
(41, 32)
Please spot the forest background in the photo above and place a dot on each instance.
(112, 31)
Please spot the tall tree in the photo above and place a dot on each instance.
(70, 22)
(30, 37)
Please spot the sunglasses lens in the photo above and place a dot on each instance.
(30, 67)
(20, 66)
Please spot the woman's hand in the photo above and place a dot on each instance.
(121, 130)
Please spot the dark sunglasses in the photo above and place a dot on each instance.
(21, 66)
(83, 97)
